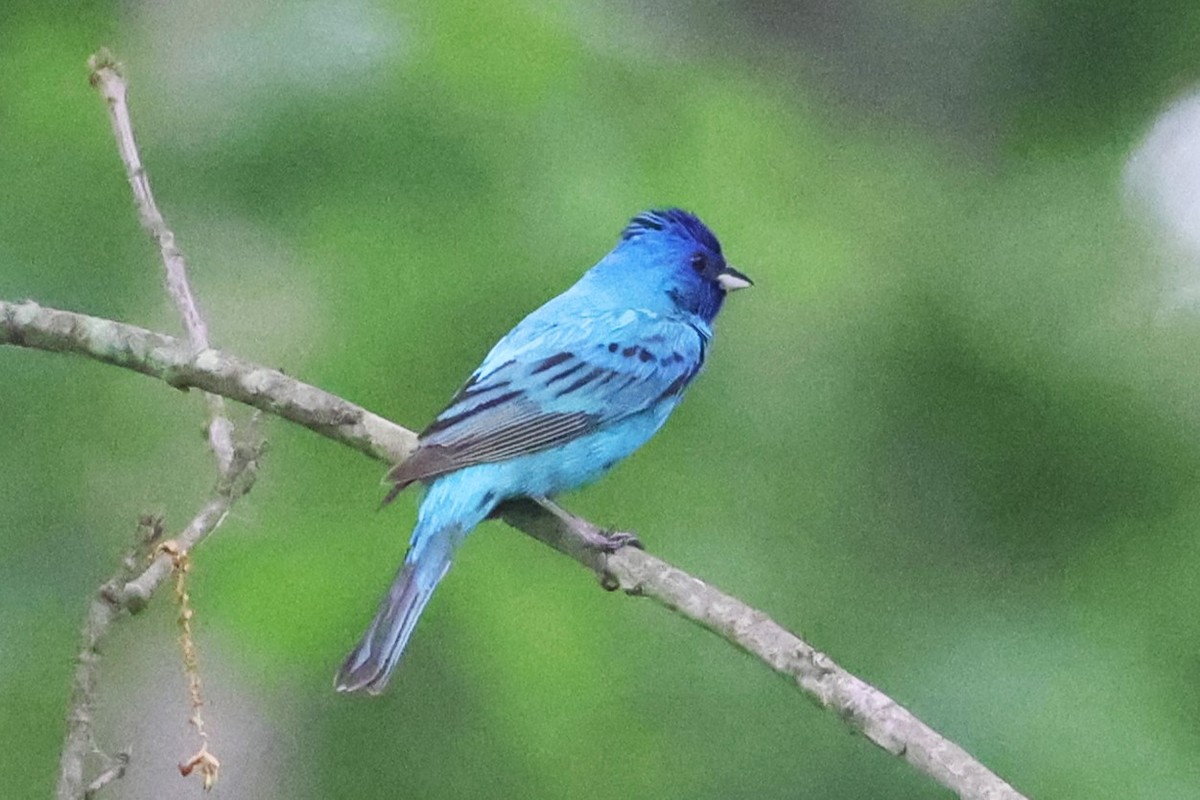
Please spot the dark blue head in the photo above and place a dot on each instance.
(669, 261)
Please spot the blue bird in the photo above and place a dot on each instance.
(575, 387)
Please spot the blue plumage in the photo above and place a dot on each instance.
(575, 387)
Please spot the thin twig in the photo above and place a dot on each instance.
(103, 608)
(124, 593)
(108, 80)
(135, 593)
(860, 705)
(116, 771)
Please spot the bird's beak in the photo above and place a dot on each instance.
(731, 280)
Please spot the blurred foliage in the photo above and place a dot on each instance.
(949, 436)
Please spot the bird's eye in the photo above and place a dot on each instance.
(699, 263)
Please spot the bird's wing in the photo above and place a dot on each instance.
(544, 385)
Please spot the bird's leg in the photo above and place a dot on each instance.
(593, 536)
(548, 522)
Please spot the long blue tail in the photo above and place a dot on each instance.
(443, 521)
(370, 664)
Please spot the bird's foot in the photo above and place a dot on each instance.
(591, 536)
(609, 541)
(605, 543)
(583, 537)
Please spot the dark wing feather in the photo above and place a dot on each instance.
(535, 401)
(522, 435)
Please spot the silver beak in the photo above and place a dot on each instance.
(731, 280)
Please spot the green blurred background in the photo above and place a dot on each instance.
(951, 437)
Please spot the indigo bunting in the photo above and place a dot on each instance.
(575, 387)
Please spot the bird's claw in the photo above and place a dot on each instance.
(612, 541)
(608, 581)
(607, 543)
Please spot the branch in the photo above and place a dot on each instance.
(80, 742)
(243, 470)
(107, 79)
(171, 361)
(124, 593)
(863, 707)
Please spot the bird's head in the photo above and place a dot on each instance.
(674, 258)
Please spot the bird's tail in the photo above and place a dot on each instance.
(370, 664)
